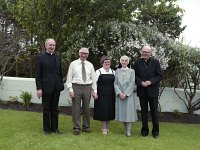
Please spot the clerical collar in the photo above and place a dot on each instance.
(146, 60)
(124, 68)
(49, 53)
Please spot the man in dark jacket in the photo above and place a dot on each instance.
(147, 77)
(49, 84)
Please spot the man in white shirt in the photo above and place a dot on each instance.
(81, 83)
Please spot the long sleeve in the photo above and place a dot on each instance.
(60, 73)
(138, 80)
(38, 74)
(131, 87)
(156, 79)
(69, 78)
(116, 84)
(94, 80)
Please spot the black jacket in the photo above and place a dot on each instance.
(148, 71)
(48, 75)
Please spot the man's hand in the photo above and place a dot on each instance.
(144, 84)
(39, 93)
(71, 94)
(94, 95)
(148, 83)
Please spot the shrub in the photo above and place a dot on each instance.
(13, 99)
(5, 103)
(177, 113)
(26, 97)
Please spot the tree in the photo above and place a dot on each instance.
(61, 18)
(164, 14)
(9, 51)
(10, 37)
(69, 21)
(188, 76)
(118, 38)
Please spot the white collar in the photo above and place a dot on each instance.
(124, 68)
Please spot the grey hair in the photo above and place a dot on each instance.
(47, 40)
(124, 57)
(147, 47)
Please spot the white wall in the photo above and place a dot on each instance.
(12, 86)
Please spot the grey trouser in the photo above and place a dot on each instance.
(82, 95)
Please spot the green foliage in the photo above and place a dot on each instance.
(4, 103)
(25, 63)
(118, 38)
(176, 113)
(165, 14)
(26, 97)
(60, 18)
(70, 22)
(186, 63)
(14, 99)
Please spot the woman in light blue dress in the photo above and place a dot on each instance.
(125, 88)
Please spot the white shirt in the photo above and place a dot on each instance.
(75, 74)
(103, 71)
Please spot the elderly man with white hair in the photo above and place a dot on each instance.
(148, 76)
(81, 83)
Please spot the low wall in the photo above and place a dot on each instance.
(12, 86)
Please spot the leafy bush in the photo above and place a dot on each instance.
(26, 97)
(4, 103)
(177, 113)
(14, 99)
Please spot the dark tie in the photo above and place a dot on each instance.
(83, 72)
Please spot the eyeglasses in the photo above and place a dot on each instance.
(83, 53)
(145, 52)
(106, 62)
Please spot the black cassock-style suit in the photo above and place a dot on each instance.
(49, 78)
(151, 71)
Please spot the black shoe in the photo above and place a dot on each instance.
(144, 134)
(155, 136)
(86, 130)
(144, 131)
(76, 132)
(57, 132)
(47, 132)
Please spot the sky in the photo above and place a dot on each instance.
(191, 18)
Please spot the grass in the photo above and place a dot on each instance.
(21, 130)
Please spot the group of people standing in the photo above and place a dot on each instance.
(114, 92)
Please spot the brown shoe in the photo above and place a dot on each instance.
(86, 130)
(76, 132)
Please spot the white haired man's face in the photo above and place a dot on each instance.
(83, 54)
(146, 53)
(50, 46)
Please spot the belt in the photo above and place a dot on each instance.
(81, 84)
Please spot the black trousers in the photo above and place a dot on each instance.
(153, 103)
(50, 111)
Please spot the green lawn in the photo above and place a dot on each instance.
(20, 130)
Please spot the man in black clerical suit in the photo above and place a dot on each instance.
(49, 84)
(147, 77)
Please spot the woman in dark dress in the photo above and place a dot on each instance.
(104, 106)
